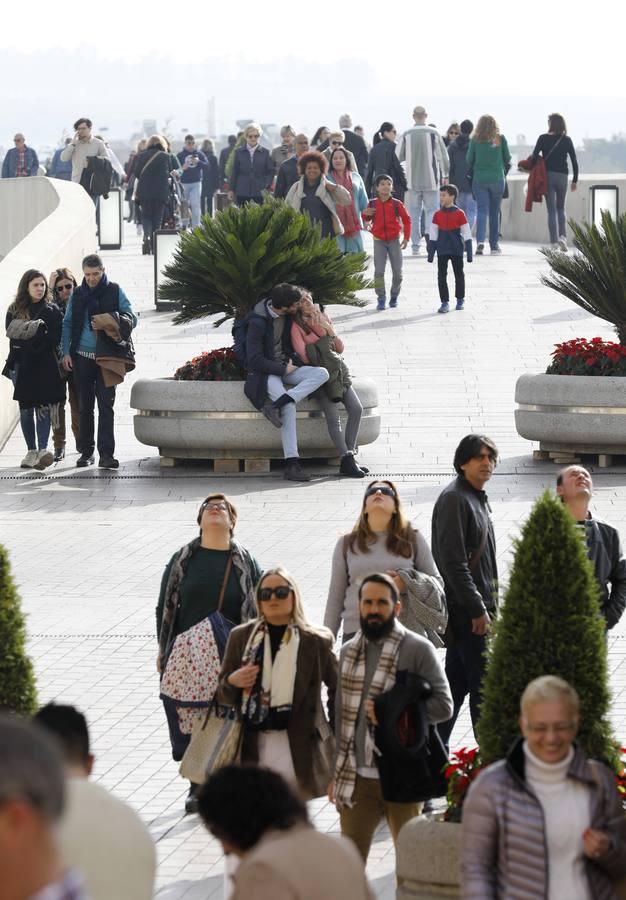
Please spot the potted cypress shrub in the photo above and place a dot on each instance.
(587, 414)
(222, 269)
(550, 624)
(18, 693)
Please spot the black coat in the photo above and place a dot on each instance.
(38, 381)
(250, 177)
(287, 176)
(412, 754)
(356, 145)
(154, 181)
(260, 353)
(384, 161)
(604, 549)
(224, 154)
(459, 167)
(210, 176)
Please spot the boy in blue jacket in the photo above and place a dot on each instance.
(449, 232)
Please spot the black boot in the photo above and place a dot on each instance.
(191, 803)
(349, 468)
(294, 471)
(146, 247)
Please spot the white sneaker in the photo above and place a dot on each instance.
(139, 228)
(44, 459)
(29, 460)
(563, 244)
(415, 251)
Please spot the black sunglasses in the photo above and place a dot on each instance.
(282, 592)
(387, 491)
(64, 287)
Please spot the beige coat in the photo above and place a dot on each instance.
(329, 198)
(78, 152)
(301, 864)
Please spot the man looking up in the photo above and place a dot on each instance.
(575, 488)
(99, 835)
(464, 549)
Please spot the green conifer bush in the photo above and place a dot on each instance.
(550, 625)
(233, 260)
(18, 693)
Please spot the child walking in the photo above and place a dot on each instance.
(387, 219)
(449, 231)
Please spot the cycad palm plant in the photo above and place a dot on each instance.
(594, 277)
(230, 262)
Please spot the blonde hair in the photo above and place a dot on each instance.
(336, 135)
(550, 689)
(486, 130)
(298, 614)
(157, 140)
(253, 126)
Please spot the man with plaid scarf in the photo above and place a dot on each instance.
(370, 664)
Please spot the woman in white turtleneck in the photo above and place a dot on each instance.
(546, 823)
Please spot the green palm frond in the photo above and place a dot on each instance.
(230, 262)
(594, 276)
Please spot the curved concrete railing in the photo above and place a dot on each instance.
(44, 224)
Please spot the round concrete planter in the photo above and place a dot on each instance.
(572, 414)
(427, 859)
(215, 420)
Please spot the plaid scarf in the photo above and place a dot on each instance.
(352, 675)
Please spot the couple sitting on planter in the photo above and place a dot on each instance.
(292, 351)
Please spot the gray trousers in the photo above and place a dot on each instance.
(382, 250)
(345, 442)
(297, 385)
(555, 201)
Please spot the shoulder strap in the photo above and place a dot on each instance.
(229, 566)
(554, 146)
(151, 160)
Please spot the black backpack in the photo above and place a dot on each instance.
(96, 177)
(239, 332)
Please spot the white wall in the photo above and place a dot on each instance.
(44, 224)
(518, 225)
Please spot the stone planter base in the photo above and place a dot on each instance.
(215, 421)
(572, 415)
(427, 860)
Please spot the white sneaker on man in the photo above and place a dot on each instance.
(29, 460)
(44, 459)
(563, 244)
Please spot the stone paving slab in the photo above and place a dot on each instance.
(103, 538)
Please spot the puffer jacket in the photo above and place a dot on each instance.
(322, 353)
(503, 844)
(460, 516)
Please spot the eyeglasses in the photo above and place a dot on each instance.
(18, 140)
(221, 506)
(387, 491)
(253, 134)
(559, 728)
(64, 287)
(337, 143)
(281, 592)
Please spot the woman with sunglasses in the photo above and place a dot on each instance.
(207, 588)
(383, 160)
(451, 134)
(382, 540)
(273, 670)
(62, 284)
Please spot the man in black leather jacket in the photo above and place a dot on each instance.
(464, 548)
(575, 488)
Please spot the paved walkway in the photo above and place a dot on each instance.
(88, 547)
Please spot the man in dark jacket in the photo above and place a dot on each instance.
(81, 343)
(355, 144)
(253, 170)
(575, 488)
(380, 655)
(276, 379)
(193, 163)
(288, 171)
(464, 549)
(459, 170)
(224, 154)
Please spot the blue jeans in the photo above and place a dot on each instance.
(193, 193)
(36, 429)
(415, 201)
(298, 385)
(488, 200)
(555, 201)
(467, 203)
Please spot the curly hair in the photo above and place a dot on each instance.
(312, 157)
(486, 130)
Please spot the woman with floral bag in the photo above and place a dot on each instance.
(207, 589)
(273, 670)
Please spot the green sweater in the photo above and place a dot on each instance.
(488, 160)
(200, 590)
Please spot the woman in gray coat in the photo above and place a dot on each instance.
(546, 823)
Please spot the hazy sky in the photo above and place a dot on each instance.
(306, 63)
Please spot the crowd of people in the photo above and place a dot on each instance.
(315, 723)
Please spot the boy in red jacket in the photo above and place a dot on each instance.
(387, 218)
(449, 231)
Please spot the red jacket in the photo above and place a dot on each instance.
(537, 181)
(385, 223)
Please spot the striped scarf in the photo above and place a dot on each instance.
(352, 675)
